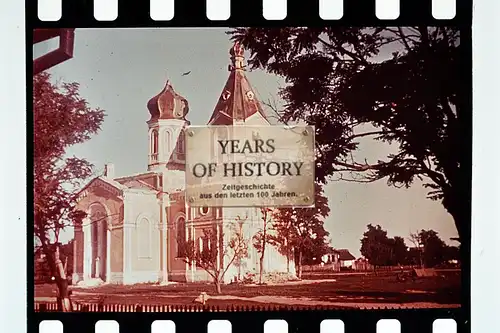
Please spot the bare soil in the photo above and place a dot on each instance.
(336, 290)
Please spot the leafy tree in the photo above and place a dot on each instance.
(302, 228)
(282, 224)
(42, 268)
(399, 251)
(381, 250)
(376, 246)
(337, 81)
(452, 253)
(434, 248)
(216, 256)
(62, 118)
(262, 238)
(318, 247)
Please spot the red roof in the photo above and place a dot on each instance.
(345, 255)
(168, 104)
(237, 101)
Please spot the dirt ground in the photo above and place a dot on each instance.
(330, 290)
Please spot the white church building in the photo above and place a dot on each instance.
(136, 225)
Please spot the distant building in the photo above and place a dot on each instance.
(362, 264)
(338, 258)
(331, 257)
(345, 258)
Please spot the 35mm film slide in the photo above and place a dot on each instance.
(259, 166)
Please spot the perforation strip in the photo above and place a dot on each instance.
(220, 10)
(270, 326)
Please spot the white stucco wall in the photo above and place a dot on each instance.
(274, 261)
(141, 266)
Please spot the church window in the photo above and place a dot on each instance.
(200, 245)
(204, 210)
(144, 238)
(204, 243)
(168, 140)
(154, 142)
(181, 237)
(181, 143)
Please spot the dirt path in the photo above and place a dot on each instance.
(293, 283)
(281, 300)
(305, 301)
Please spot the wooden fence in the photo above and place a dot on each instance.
(52, 307)
(95, 307)
(318, 268)
(329, 268)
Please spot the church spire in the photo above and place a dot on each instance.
(237, 102)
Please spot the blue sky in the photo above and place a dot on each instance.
(119, 70)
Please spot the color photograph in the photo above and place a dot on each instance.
(166, 176)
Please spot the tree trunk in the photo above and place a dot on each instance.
(263, 245)
(461, 222)
(62, 284)
(57, 271)
(457, 201)
(299, 273)
(217, 286)
(261, 268)
(287, 261)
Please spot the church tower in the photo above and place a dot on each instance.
(166, 130)
(238, 104)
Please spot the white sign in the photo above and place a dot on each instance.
(243, 166)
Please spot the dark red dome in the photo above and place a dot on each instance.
(168, 104)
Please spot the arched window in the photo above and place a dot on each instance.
(167, 141)
(154, 142)
(144, 238)
(204, 210)
(181, 143)
(181, 237)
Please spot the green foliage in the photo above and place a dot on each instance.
(301, 229)
(42, 269)
(375, 246)
(337, 80)
(62, 118)
(434, 249)
(399, 250)
(381, 250)
(429, 250)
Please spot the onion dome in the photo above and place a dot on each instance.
(168, 105)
